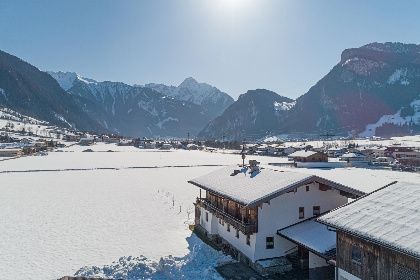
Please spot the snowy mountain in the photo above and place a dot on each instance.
(373, 90)
(133, 110)
(254, 115)
(211, 98)
(29, 91)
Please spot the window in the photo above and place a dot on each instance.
(356, 255)
(248, 240)
(324, 188)
(317, 210)
(228, 227)
(207, 216)
(307, 188)
(237, 233)
(301, 212)
(269, 242)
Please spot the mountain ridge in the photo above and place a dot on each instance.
(255, 114)
(135, 111)
(29, 91)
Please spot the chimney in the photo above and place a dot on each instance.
(253, 164)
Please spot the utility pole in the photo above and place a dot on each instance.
(243, 154)
(224, 144)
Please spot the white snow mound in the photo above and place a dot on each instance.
(199, 263)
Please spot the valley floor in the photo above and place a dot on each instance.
(71, 209)
(122, 214)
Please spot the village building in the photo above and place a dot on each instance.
(112, 139)
(336, 152)
(379, 152)
(282, 150)
(265, 149)
(406, 155)
(166, 146)
(356, 159)
(87, 141)
(391, 151)
(126, 142)
(72, 137)
(249, 210)
(308, 156)
(10, 152)
(378, 236)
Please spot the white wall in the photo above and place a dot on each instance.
(344, 275)
(315, 261)
(239, 243)
(213, 227)
(284, 211)
(211, 224)
(281, 212)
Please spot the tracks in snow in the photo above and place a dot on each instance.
(110, 168)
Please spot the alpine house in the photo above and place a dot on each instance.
(263, 216)
(378, 235)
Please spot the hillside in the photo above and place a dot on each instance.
(254, 115)
(134, 110)
(211, 98)
(373, 90)
(29, 91)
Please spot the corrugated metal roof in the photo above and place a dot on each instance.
(390, 216)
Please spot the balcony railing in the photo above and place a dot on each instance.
(245, 228)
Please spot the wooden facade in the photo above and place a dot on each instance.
(317, 157)
(230, 212)
(376, 262)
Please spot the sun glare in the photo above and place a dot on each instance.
(234, 8)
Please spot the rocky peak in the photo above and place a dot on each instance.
(393, 47)
(66, 80)
(190, 81)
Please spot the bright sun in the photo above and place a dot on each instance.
(235, 5)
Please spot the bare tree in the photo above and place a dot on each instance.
(190, 209)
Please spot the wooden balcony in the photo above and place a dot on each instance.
(245, 228)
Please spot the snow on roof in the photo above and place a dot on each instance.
(312, 235)
(253, 189)
(389, 216)
(10, 150)
(361, 179)
(353, 155)
(302, 153)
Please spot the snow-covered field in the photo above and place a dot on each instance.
(54, 221)
(112, 214)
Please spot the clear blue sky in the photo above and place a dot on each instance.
(235, 45)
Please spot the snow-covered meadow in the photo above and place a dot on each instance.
(71, 209)
(116, 214)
